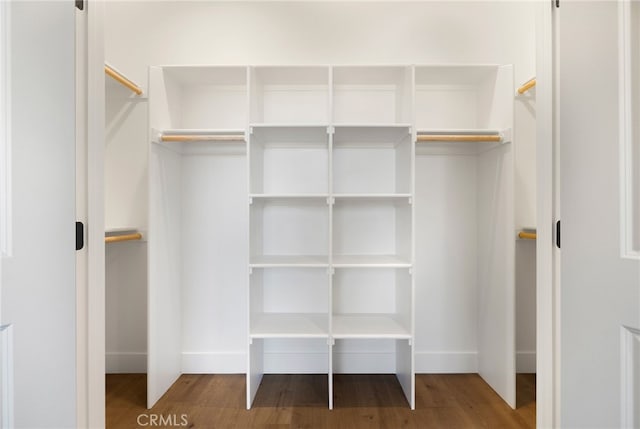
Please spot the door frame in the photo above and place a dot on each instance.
(547, 211)
(91, 309)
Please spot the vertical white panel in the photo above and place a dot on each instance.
(496, 272)
(5, 131)
(164, 292)
(255, 370)
(600, 291)
(39, 280)
(405, 370)
(630, 377)
(6, 377)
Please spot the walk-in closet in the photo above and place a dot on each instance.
(344, 203)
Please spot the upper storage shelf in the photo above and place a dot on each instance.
(200, 97)
(462, 97)
(368, 95)
(290, 95)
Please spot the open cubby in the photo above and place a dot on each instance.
(371, 232)
(372, 160)
(289, 231)
(372, 95)
(289, 160)
(290, 95)
(202, 98)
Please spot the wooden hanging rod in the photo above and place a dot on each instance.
(123, 237)
(459, 138)
(121, 79)
(202, 137)
(527, 235)
(527, 86)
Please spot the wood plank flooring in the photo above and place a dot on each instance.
(300, 401)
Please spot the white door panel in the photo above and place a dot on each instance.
(600, 290)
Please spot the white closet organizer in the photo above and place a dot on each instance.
(331, 181)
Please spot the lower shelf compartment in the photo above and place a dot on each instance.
(289, 325)
(368, 326)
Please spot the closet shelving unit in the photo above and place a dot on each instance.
(331, 154)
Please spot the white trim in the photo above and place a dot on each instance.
(629, 377)
(547, 396)
(95, 341)
(214, 362)
(5, 131)
(626, 139)
(6, 375)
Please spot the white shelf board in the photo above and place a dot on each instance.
(370, 135)
(289, 196)
(289, 325)
(291, 135)
(200, 131)
(273, 261)
(463, 131)
(374, 197)
(367, 326)
(388, 261)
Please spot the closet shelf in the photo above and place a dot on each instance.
(123, 80)
(288, 196)
(290, 325)
(372, 196)
(370, 261)
(368, 326)
(527, 86)
(282, 261)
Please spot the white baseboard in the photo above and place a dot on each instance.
(214, 362)
(315, 363)
(126, 362)
(446, 362)
(526, 362)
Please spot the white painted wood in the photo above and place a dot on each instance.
(547, 182)
(600, 290)
(368, 326)
(496, 272)
(39, 279)
(164, 340)
(5, 135)
(95, 304)
(289, 325)
(289, 160)
(6, 377)
(371, 95)
(290, 94)
(630, 377)
(629, 143)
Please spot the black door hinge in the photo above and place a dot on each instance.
(558, 234)
(80, 4)
(79, 235)
(557, 3)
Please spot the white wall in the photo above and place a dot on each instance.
(154, 33)
(38, 279)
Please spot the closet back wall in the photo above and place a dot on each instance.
(140, 34)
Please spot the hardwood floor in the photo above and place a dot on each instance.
(300, 401)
